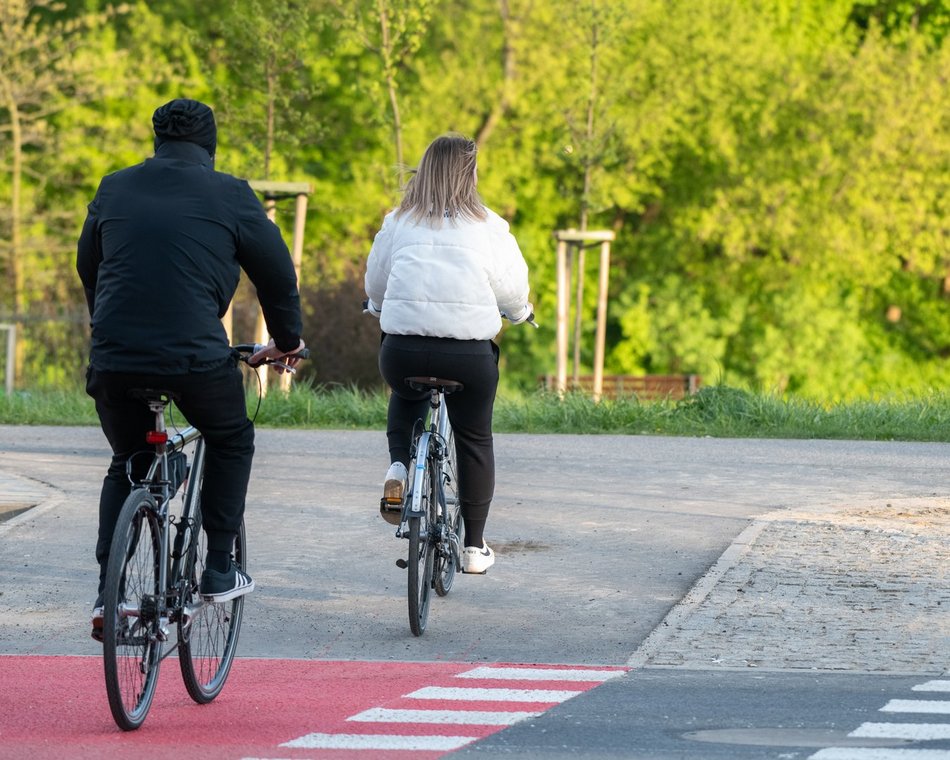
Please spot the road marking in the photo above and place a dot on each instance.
(931, 706)
(916, 731)
(493, 695)
(455, 717)
(932, 686)
(380, 742)
(868, 753)
(910, 731)
(415, 730)
(542, 674)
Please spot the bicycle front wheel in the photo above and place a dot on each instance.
(133, 606)
(207, 632)
(421, 554)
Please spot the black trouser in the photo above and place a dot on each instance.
(213, 402)
(474, 363)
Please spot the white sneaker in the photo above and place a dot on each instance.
(475, 560)
(390, 506)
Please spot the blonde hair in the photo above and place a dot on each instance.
(443, 185)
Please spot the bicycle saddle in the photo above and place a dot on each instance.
(434, 383)
(152, 394)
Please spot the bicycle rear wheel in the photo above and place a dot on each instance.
(207, 633)
(133, 602)
(447, 561)
(421, 554)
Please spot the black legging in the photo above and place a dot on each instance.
(474, 363)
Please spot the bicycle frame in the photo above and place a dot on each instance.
(158, 481)
(434, 438)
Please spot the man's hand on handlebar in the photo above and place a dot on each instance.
(281, 361)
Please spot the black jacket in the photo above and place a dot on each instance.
(160, 256)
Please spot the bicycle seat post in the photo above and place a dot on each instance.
(157, 407)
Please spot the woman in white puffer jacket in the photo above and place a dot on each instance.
(441, 271)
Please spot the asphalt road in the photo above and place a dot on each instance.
(597, 538)
(601, 542)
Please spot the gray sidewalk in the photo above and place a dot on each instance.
(688, 553)
(852, 588)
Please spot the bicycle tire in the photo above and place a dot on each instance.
(132, 601)
(421, 555)
(207, 633)
(447, 564)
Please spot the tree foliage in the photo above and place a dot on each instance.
(776, 171)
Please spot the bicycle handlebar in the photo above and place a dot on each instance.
(245, 351)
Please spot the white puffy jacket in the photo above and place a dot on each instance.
(450, 282)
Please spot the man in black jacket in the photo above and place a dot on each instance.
(160, 256)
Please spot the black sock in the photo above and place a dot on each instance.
(218, 560)
(474, 529)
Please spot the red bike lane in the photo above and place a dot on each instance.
(56, 707)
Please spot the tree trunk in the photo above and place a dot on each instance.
(15, 255)
(503, 103)
(585, 196)
(16, 190)
(271, 74)
(389, 71)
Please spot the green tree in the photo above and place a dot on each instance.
(43, 70)
(270, 57)
(393, 31)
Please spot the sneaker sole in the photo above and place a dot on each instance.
(392, 491)
(98, 623)
(227, 596)
(477, 572)
(390, 506)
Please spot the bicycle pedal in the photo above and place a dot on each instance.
(401, 563)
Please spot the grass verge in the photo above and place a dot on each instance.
(716, 411)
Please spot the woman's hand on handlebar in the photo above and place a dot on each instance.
(281, 361)
(525, 314)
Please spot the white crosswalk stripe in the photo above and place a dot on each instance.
(379, 742)
(930, 706)
(880, 753)
(542, 674)
(456, 717)
(914, 731)
(932, 686)
(492, 695)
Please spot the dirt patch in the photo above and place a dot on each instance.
(10, 510)
(518, 545)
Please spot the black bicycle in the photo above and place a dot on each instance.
(155, 565)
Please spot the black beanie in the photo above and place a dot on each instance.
(188, 120)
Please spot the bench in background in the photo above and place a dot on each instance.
(646, 387)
